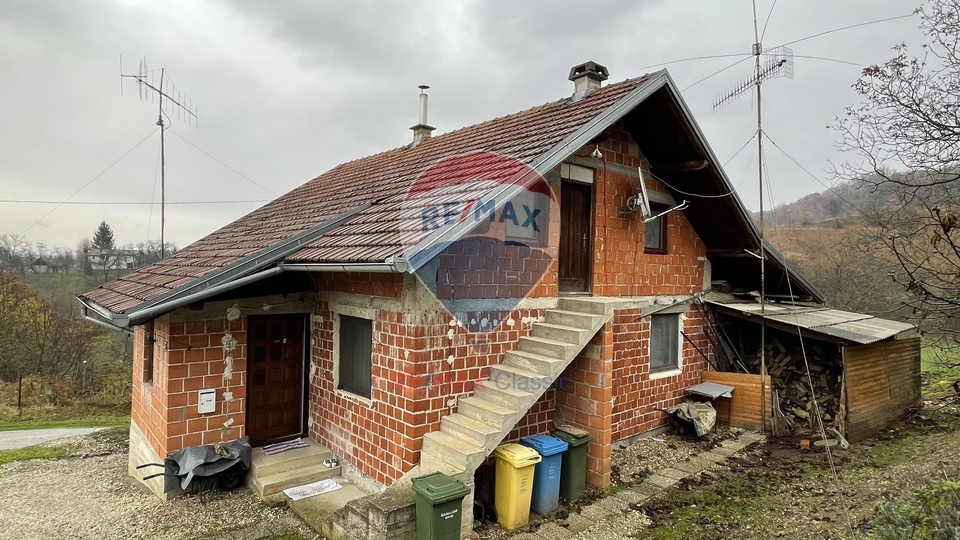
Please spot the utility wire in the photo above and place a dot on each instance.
(238, 173)
(92, 180)
(105, 203)
(825, 59)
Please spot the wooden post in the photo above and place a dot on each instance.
(19, 396)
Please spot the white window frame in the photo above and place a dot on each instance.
(359, 313)
(677, 368)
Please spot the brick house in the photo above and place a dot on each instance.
(363, 309)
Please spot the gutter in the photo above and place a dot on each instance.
(84, 315)
(390, 265)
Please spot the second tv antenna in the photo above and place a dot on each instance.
(157, 87)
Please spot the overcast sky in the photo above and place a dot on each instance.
(288, 89)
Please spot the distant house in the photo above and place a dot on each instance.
(42, 266)
(112, 259)
(413, 309)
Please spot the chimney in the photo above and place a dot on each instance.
(587, 77)
(421, 131)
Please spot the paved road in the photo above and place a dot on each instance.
(29, 437)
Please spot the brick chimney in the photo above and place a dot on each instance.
(422, 131)
(587, 77)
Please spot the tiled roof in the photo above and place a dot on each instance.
(383, 179)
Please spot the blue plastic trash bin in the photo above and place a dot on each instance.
(546, 477)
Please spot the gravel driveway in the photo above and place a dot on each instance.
(91, 496)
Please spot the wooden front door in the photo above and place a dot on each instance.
(276, 408)
(575, 202)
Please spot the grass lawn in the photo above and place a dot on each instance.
(87, 421)
(938, 378)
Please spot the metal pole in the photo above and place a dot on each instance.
(19, 396)
(163, 188)
(757, 49)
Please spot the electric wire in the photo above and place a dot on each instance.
(238, 173)
(92, 180)
(825, 59)
(125, 203)
(699, 195)
(692, 58)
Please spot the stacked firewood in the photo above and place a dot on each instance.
(788, 375)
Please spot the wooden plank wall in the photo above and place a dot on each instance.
(743, 410)
(883, 383)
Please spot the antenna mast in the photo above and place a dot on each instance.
(757, 50)
(150, 88)
(776, 63)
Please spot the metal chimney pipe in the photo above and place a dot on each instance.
(421, 131)
(423, 104)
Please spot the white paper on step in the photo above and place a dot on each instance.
(309, 490)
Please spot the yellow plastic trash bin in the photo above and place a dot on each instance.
(515, 466)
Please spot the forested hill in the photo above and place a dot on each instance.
(846, 199)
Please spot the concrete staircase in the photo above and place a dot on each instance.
(272, 474)
(467, 437)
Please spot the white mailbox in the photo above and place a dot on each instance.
(208, 401)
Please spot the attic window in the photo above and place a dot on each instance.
(655, 233)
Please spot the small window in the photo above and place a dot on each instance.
(148, 345)
(655, 232)
(356, 344)
(664, 342)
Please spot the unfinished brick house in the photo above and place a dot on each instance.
(363, 309)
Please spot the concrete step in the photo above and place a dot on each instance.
(583, 305)
(264, 465)
(503, 395)
(556, 332)
(486, 411)
(546, 347)
(515, 378)
(573, 318)
(454, 451)
(268, 485)
(537, 363)
(318, 511)
(470, 429)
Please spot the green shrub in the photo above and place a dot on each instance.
(934, 514)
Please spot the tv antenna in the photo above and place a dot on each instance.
(159, 89)
(776, 63)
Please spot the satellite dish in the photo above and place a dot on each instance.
(642, 201)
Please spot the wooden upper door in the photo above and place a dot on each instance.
(575, 245)
(276, 404)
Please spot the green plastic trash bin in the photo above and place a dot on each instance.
(439, 504)
(573, 467)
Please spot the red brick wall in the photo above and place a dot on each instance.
(414, 385)
(636, 394)
(188, 356)
(620, 267)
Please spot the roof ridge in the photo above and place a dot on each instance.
(407, 146)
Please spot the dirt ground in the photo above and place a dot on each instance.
(90, 495)
(770, 490)
(776, 490)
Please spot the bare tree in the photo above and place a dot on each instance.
(906, 134)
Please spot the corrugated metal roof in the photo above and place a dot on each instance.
(843, 325)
